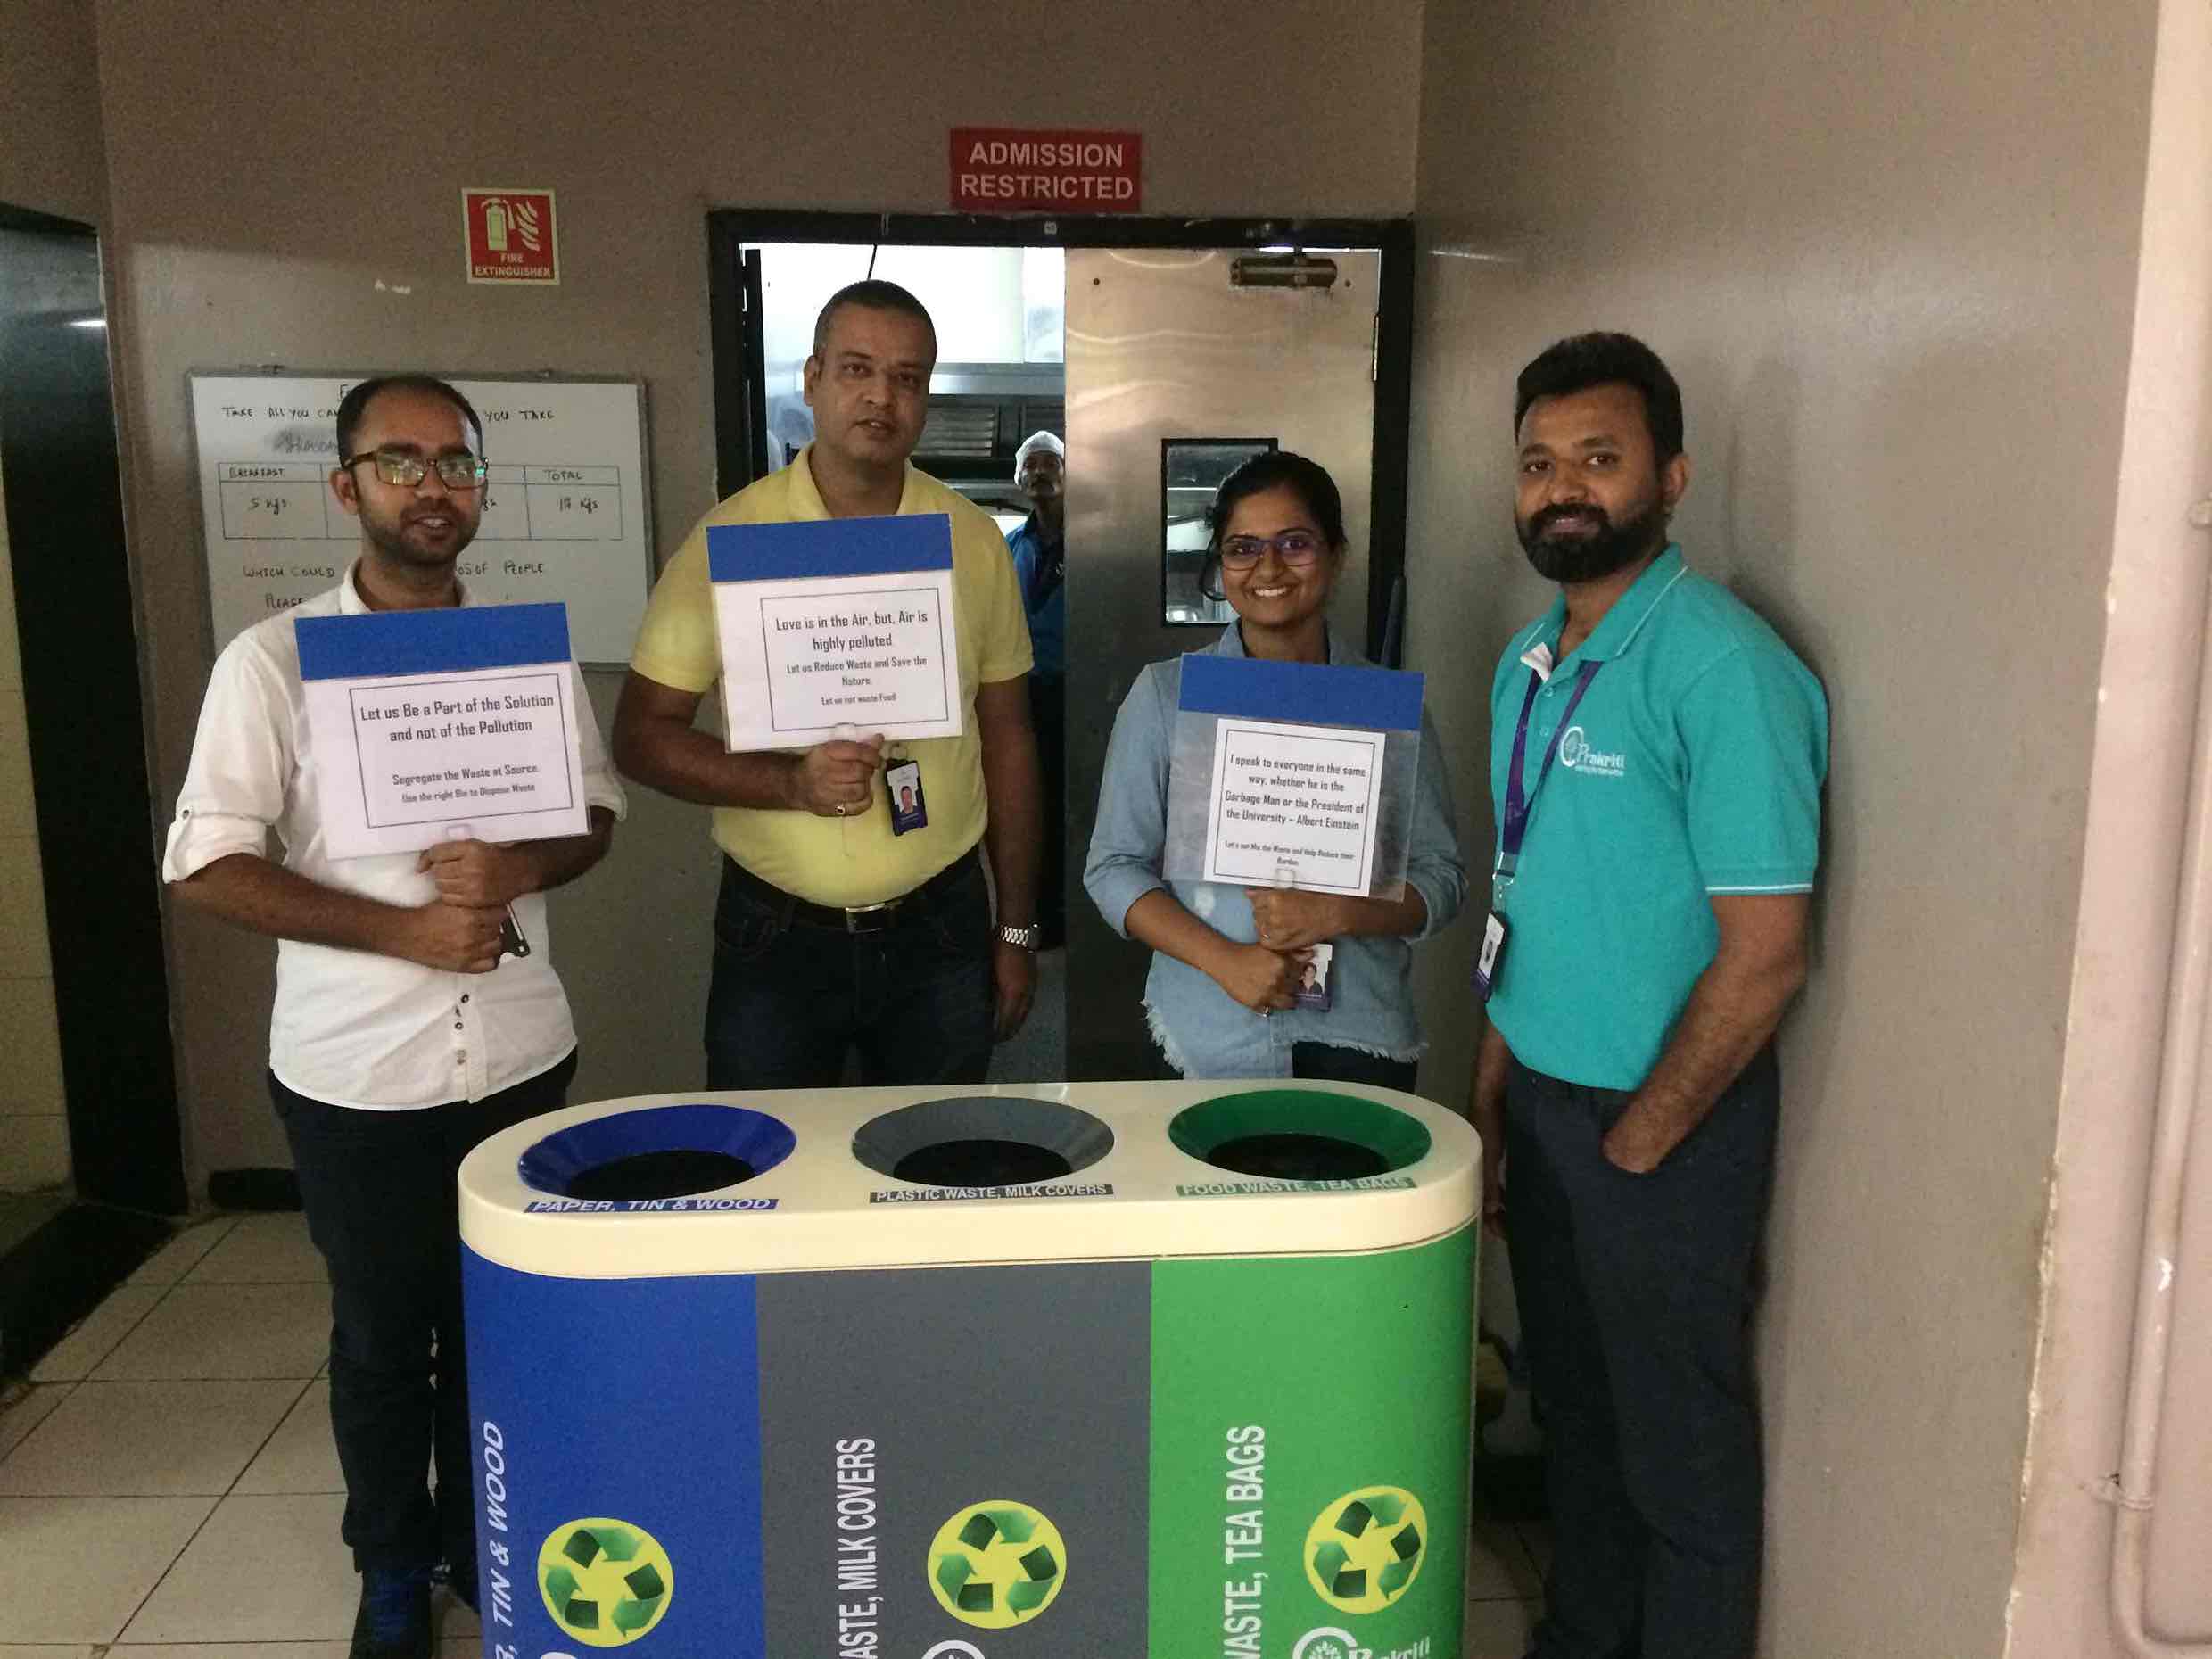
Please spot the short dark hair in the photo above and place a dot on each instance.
(1279, 469)
(875, 295)
(355, 404)
(1581, 361)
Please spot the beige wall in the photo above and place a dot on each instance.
(1889, 249)
(301, 206)
(51, 153)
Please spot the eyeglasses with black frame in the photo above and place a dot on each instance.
(459, 470)
(1295, 547)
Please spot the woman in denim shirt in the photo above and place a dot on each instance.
(1227, 960)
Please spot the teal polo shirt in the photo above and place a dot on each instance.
(1692, 766)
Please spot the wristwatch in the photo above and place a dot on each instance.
(1028, 938)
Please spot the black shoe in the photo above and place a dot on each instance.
(394, 1618)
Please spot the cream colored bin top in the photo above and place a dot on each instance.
(820, 1208)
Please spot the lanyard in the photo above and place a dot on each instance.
(1521, 802)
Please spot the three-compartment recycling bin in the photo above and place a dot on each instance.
(1175, 1369)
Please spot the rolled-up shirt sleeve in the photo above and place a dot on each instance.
(601, 788)
(1435, 866)
(242, 762)
(1132, 827)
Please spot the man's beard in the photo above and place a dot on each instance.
(1601, 552)
(390, 539)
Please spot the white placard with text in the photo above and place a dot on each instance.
(412, 749)
(835, 623)
(1295, 799)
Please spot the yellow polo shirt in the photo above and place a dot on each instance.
(855, 861)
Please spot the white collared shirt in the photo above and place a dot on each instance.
(350, 1027)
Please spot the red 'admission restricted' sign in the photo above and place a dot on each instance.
(1046, 170)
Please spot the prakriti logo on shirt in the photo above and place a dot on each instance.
(1576, 754)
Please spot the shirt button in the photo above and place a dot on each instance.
(463, 996)
(460, 1057)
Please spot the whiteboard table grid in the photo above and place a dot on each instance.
(567, 514)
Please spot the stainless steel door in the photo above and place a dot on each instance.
(1161, 346)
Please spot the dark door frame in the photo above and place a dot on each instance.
(733, 305)
(85, 718)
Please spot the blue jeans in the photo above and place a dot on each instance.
(377, 1187)
(793, 994)
(1635, 1293)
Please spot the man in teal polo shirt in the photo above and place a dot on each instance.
(1657, 755)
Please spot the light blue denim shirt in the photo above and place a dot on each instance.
(1203, 1030)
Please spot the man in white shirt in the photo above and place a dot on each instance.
(417, 1009)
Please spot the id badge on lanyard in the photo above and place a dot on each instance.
(901, 781)
(1513, 827)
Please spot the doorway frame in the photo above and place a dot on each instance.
(78, 624)
(734, 321)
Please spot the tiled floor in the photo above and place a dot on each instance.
(184, 1429)
(180, 1431)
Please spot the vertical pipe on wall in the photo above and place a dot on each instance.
(2180, 1076)
(2173, 292)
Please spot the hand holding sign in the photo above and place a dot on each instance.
(477, 875)
(1291, 920)
(837, 778)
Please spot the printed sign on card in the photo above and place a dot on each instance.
(429, 723)
(839, 622)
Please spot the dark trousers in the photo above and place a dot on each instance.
(1326, 1063)
(1634, 1294)
(379, 1195)
(792, 996)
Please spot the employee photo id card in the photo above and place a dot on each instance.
(1313, 981)
(902, 782)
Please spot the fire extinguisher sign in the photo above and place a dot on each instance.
(509, 235)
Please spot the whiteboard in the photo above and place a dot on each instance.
(566, 515)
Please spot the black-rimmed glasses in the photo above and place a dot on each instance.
(457, 471)
(1295, 548)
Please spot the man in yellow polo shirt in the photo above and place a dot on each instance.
(844, 925)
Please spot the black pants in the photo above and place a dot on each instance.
(790, 997)
(1325, 1061)
(378, 1191)
(1635, 1295)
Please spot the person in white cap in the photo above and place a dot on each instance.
(1040, 550)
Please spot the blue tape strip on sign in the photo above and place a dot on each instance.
(430, 642)
(830, 547)
(1387, 699)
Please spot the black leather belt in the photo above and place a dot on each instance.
(852, 918)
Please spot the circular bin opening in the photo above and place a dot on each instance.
(981, 1140)
(662, 1152)
(1300, 1134)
